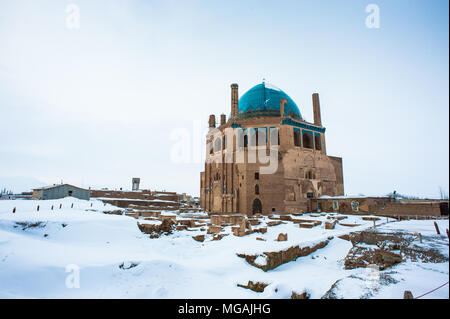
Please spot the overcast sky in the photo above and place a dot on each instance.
(97, 105)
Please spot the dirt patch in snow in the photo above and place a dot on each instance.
(255, 286)
(200, 238)
(114, 212)
(303, 295)
(128, 265)
(27, 225)
(219, 236)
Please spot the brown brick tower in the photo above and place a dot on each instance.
(266, 158)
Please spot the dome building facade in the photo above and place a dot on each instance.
(266, 159)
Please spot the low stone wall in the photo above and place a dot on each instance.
(142, 194)
(155, 230)
(275, 259)
(383, 206)
(227, 219)
(411, 209)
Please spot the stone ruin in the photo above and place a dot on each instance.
(277, 258)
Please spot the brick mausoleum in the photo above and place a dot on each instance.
(266, 121)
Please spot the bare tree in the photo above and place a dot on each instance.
(442, 193)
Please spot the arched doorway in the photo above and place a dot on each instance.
(257, 207)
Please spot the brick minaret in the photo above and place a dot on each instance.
(223, 119)
(212, 121)
(234, 100)
(316, 109)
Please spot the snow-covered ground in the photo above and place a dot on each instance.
(116, 260)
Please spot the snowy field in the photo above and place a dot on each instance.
(116, 260)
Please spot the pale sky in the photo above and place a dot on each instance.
(96, 106)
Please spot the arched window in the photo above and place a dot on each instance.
(274, 134)
(258, 137)
(217, 144)
(224, 145)
(307, 140)
(309, 175)
(317, 142)
(257, 189)
(242, 138)
(262, 137)
(296, 138)
(254, 139)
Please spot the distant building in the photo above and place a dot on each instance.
(7, 196)
(185, 198)
(135, 183)
(196, 201)
(60, 191)
(24, 195)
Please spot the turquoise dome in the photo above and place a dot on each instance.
(264, 100)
